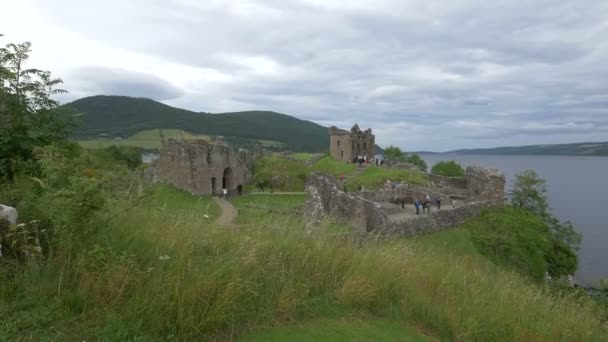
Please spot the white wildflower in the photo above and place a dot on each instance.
(164, 257)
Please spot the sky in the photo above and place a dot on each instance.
(424, 75)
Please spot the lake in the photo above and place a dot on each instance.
(576, 187)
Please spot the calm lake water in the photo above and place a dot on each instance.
(576, 188)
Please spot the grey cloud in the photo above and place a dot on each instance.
(114, 81)
(408, 69)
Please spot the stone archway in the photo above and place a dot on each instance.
(227, 179)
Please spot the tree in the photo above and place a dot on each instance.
(393, 154)
(448, 169)
(28, 113)
(418, 162)
(530, 192)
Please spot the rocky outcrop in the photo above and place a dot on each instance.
(8, 214)
(326, 200)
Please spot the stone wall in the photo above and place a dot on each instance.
(326, 200)
(201, 167)
(452, 182)
(346, 145)
(438, 220)
(485, 184)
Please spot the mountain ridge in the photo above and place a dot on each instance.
(123, 116)
(568, 149)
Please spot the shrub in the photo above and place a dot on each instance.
(448, 169)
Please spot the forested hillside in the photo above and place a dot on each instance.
(120, 116)
(575, 149)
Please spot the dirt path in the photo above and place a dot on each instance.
(229, 212)
(278, 193)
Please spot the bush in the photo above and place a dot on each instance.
(518, 239)
(417, 161)
(448, 169)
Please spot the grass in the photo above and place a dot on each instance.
(147, 139)
(161, 271)
(151, 139)
(376, 176)
(302, 156)
(333, 167)
(268, 209)
(335, 330)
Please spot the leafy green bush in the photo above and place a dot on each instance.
(517, 238)
(129, 154)
(417, 161)
(448, 169)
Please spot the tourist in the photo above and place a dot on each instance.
(239, 188)
(271, 188)
(261, 185)
(225, 193)
(417, 205)
(438, 201)
(341, 178)
(377, 161)
(453, 203)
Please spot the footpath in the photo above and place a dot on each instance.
(228, 212)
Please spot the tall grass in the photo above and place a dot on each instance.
(161, 271)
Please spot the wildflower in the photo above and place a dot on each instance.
(206, 216)
(164, 257)
(21, 225)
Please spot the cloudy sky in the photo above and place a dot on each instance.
(424, 75)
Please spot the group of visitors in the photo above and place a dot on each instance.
(361, 160)
(426, 204)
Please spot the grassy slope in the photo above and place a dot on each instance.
(125, 116)
(292, 173)
(334, 330)
(148, 139)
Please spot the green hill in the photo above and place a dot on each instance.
(575, 149)
(120, 116)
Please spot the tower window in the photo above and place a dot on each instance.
(338, 143)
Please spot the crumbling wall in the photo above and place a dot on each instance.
(195, 166)
(485, 184)
(326, 200)
(452, 182)
(438, 220)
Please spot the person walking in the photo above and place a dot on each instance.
(225, 193)
(341, 178)
(239, 189)
(261, 185)
(438, 202)
(417, 205)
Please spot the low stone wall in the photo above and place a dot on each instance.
(452, 182)
(326, 200)
(438, 220)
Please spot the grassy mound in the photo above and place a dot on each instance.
(375, 177)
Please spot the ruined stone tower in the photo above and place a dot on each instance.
(345, 145)
(204, 168)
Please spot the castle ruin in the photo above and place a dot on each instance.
(346, 145)
(201, 167)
